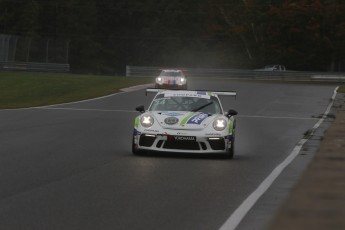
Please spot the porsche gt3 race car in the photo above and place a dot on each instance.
(185, 122)
(171, 79)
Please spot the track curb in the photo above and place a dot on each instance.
(318, 199)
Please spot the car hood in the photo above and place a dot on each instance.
(183, 120)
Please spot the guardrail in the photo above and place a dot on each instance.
(140, 71)
(35, 66)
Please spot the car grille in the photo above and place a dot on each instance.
(146, 141)
(218, 144)
(215, 144)
(182, 145)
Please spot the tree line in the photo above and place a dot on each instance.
(106, 35)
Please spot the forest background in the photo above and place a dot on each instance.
(103, 36)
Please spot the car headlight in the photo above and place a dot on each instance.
(183, 80)
(159, 79)
(219, 124)
(146, 121)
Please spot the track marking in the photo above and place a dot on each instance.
(132, 111)
(121, 91)
(237, 216)
(297, 118)
(79, 109)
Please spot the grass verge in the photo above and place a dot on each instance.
(28, 89)
(341, 89)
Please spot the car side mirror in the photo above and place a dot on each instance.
(140, 108)
(231, 113)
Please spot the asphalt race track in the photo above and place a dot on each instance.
(70, 166)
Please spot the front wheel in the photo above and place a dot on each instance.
(135, 150)
(231, 151)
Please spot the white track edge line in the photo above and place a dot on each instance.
(237, 216)
(274, 117)
(122, 110)
(81, 109)
(121, 91)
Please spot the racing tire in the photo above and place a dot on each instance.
(231, 151)
(135, 151)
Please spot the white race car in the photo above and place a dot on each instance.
(171, 79)
(185, 122)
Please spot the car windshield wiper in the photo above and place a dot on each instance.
(201, 107)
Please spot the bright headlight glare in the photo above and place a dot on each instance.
(182, 79)
(146, 121)
(219, 124)
(159, 79)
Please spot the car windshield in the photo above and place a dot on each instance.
(195, 104)
(171, 74)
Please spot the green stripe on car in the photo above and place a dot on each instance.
(184, 121)
(231, 126)
(136, 122)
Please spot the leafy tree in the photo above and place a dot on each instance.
(19, 17)
(305, 34)
(105, 35)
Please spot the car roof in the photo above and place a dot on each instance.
(172, 70)
(190, 93)
(273, 65)
(186, 93)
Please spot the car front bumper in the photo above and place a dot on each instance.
(167, 143)
(171, 86)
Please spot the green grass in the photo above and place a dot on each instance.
(341, 89)
(28, 89)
